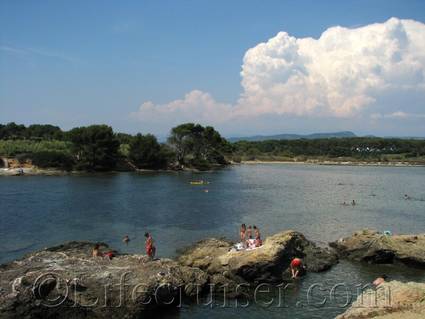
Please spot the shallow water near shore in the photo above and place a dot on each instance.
(41, 211)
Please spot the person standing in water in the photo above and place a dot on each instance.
(126, 239)
(353, 203)
(296, 265)
(149, 246)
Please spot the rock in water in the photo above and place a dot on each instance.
(268, 263)
(374, 247)
(66, 282)
(391, 300)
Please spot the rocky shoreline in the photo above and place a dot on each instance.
(390, 300)
(36, 171)
(67, 282)
(378, 248)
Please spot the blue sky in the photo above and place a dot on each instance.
(74, 63)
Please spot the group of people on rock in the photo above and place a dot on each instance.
(250, 236)
(149, 248)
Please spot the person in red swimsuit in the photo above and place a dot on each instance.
(296, 265)
(150, 248)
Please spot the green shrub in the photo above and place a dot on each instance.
(15, 147)
(47, 159)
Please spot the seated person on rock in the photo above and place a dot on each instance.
(258, 242)
(97, 253)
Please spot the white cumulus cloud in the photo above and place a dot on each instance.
(366, 71)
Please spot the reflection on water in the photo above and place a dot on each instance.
(36, 212)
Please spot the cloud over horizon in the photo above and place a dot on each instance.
(371, 73)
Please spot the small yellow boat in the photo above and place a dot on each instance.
(199, 183)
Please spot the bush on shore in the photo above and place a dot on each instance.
(48, 159)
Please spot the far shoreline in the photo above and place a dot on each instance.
(334, 163)
(34, 171)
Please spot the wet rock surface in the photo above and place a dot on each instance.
(389, 300)
(268, 263)
(374, 247)
(66, 282)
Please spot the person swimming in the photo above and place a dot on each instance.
(149, 246)
(126, 239)
(242, 233)
(406, 197)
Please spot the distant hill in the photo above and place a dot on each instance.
(293, 136)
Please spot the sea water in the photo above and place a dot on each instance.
(41, 211)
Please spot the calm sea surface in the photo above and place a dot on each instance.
(37, 212)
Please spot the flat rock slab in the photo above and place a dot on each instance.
(66, 282)
(268, 263)
(374, 247)
(389, 300)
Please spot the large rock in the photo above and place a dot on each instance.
(66, 282)
(374, 247)
(268, 263)
(391, 300)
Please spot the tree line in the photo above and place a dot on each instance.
(189, 145)
(354, 147)
(99, 148)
